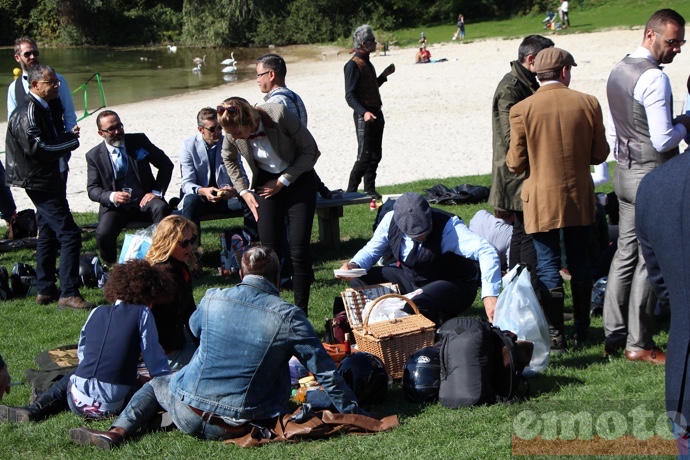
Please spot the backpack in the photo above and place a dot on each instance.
(22, 225)
(480, 364)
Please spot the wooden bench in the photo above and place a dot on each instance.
(328, 213)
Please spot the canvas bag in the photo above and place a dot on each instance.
(518, 310)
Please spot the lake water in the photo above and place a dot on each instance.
(131, 75)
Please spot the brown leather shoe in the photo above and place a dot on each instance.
(106, 440)
(654, 356)
(45, 299)
(77, 303)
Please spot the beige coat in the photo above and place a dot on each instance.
(555, 135)
(290, 139)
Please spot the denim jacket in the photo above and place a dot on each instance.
(240, 370)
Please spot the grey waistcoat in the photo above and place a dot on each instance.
(634, 145)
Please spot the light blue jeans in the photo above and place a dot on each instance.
(154, 396)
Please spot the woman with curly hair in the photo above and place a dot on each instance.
(110, 343)
(281, 154)
(172, 250)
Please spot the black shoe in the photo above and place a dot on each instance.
(47, 299)
(373, 194)
(558, 344)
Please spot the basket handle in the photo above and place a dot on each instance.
(388, 296)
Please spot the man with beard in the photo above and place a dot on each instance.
(646, 135)
(121, 180)
(34, 148)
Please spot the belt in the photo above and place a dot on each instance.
(88, 404)
(219, 422)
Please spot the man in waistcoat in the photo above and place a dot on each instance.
(435, 251)
(646, 135)
(119, 177)
(34, 148)
(362, 94)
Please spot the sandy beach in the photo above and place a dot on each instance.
(438, 116)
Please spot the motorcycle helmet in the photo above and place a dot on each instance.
(598, 293)
(366, 376)
(23, 280)
(422, 375)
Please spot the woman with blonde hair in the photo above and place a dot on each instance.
(281, 154)
(172, 249)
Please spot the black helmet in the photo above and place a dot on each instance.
(23, 280)
(91, 272)
(365, 375)
(422, 375)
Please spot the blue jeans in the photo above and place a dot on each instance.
(154, 396)
(548, 247)
(56, 230)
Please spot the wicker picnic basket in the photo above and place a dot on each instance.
(355, 299)
(395, 340)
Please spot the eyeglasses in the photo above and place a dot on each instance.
(231, 109)
(184, 243)
(51, 82)
(113, 129)
(28, 54)
(214, 129)
(672, 42)
(259, 75)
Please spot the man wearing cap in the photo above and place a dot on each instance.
(645, 136)
(435, 251)
(557, 133)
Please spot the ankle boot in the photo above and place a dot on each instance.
(44, 407)
(582, 298)
(552, 304)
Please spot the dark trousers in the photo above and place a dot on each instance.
(439, 300)
(548, 246)
(7, 206)
(522, 249)
(195, 207)
(56, 230)
(369, 140)
(112, 220)
(298, 203)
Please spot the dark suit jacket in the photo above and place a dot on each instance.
(101, 177)
(662, 223)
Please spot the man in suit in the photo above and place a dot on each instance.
(206, 186)
(558, 133)
(34, 146)
(121, 180)
(661, 225)
(646, 135)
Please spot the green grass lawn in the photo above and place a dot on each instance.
(579, 381)
(596, 15)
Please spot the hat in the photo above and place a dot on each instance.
(552, 59)
(412, 214)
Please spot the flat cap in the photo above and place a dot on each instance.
(412, 214)
(553, 59)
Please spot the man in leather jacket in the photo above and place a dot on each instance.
(34, 147)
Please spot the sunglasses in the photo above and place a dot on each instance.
(215, 129)
(221, 109)
(184, 243)
(672, 42)
(28, 54)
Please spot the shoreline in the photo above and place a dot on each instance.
(438, 116)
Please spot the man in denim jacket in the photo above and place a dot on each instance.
(239, 375)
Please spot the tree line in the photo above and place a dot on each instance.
(232, 22)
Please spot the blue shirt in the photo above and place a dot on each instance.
(290, 100)
(456, 238)
(64, 94)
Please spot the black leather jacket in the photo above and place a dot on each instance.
(33, 148)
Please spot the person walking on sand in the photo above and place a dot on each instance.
(461, 28)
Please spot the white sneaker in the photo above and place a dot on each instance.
(455, 38)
